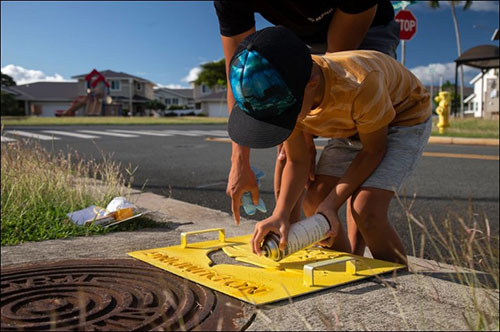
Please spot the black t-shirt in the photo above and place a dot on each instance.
(309, 19)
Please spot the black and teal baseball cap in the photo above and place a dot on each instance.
(268, 74)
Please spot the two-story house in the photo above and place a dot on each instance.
(210, 100)
(483, 103)
(175, 97)
(128, 92)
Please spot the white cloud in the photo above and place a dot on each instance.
(171, 86)
(193, 75)
(432, 73)
(23, 76)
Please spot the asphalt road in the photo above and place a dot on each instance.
(450, 182)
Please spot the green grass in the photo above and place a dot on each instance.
(465, 241)
(40, 188)
(108, 120)
(468, 127)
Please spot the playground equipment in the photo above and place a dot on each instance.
(443, 110)
(96, 98)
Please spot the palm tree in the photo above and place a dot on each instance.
(468, 3)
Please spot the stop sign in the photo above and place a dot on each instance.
(407, 24)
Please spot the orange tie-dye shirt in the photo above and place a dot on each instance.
(365, 91)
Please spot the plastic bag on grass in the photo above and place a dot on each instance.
(117, 211)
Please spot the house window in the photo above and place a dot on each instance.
(115, 85)
(175, 101)
(168, 101)
(138, 86)
(205, 89)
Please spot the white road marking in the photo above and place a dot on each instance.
(106, 133)
(209, 132)
(142, 132)
(222, 133)
(32, 135)
(66, 133)
(180, 132)
(7, 139)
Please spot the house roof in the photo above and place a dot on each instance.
(185, 93)
(472, 96)
(11, 91)
(482, 57)
(46, 91)
(110, 74)
(216, 96)
(478, 77)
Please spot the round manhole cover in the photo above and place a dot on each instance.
(104, 295)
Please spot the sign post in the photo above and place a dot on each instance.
(407, 28)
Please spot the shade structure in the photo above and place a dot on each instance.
(483, 57)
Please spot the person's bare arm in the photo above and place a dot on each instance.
(241, 178)
(367, 160)
(347, 31)
(294, 177)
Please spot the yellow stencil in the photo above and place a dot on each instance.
(306, 271)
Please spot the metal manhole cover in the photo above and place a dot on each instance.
(103, 295)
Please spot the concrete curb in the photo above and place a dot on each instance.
(428, 298)
(432, 140)
(463, 141)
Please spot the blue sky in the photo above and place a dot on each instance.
(165, 42)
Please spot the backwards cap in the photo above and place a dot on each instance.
(268, 74)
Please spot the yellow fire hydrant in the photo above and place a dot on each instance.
(443, 110)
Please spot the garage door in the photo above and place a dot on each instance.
(49, 109)
(217, 109)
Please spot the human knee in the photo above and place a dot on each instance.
(368, 215)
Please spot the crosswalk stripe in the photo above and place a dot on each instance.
(7, 139)
(106, 133)
(209, 132)
(180, 132)
(142, 132)
(31, 135)
(65, 133)
(218, 132)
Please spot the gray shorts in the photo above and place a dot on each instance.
(404, 148)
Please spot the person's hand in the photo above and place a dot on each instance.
(241, 179)
(276, 224)
(334, 220)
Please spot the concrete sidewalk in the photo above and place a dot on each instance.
(425, 299)
(463, 141)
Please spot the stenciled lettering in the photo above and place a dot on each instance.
(226, 280)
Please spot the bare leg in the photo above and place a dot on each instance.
(318, 190)
(358, 244)
(369, 210)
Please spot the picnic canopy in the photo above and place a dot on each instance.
(483, 57)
